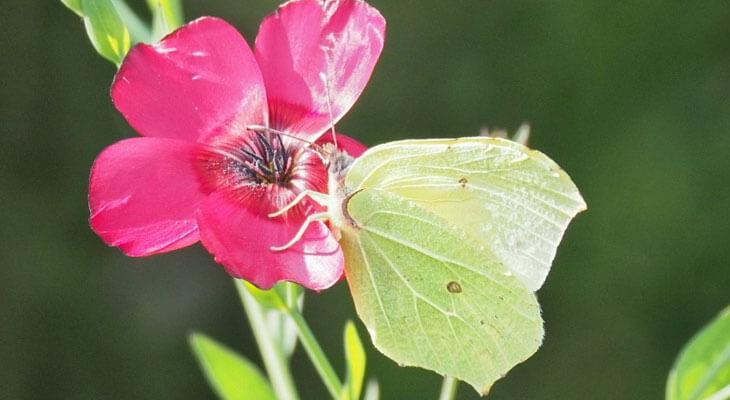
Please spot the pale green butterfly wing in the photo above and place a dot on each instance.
(431, 296)
(453, 237)
(508, 198)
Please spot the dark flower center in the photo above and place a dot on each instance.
(261, 170)
(264, 159)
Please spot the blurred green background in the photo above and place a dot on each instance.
(631, 98)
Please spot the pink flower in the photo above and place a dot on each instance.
(198, 173)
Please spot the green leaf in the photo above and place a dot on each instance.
(355, 358)
(107, 31)
(166, 17)
(702, 370)
(75, 6)
(231, 376)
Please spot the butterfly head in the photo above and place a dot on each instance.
(337, 161)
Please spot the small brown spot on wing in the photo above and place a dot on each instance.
(453, 287)
(463, 181)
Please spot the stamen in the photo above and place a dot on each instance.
(266, 170)
(285, 155)
(279, 160)
(266, 145)
(252, 155)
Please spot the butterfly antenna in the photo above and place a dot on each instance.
(323, 76)
(262, 129)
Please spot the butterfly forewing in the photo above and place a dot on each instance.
(513, 201)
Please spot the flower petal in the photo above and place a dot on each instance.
(191, 83)
(241, 240)
(308, 40)
(143, 195)
(349, 144)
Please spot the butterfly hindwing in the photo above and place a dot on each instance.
(432, 297)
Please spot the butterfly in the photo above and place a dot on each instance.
(446, 242)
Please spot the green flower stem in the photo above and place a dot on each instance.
(291, 296)
(448, 388)
(316, 354)
(277, 365)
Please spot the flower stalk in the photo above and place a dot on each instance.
(276, 363)
(313, 348)
(286, 302)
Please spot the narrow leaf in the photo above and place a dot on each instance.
(107, 31)
(231, 376)
(372, 390)
(139, 30)
(702, 370)
(75, 6)
(355, 358)
(166, 17)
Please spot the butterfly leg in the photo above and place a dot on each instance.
(311, 218)
(319, 198)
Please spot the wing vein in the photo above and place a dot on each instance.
(408, 285)
(375, 287)
(428, 338)
(442, 259)
(461, 346)
(379, 166)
